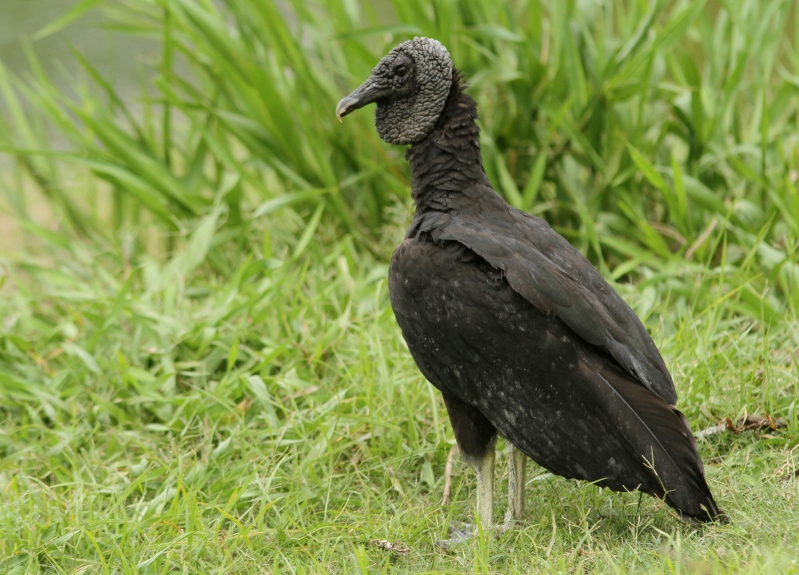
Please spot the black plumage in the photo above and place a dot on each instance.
(522, 335)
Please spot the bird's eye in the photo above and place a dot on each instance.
(401, 71)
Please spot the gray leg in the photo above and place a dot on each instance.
(461, 532)
(475, 436)
(517, 470)
(485, 488)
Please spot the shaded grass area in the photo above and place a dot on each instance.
(272, 421)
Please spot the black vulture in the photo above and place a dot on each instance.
(520, 333)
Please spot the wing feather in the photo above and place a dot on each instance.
(556, 278)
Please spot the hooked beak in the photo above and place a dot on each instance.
(367, 93)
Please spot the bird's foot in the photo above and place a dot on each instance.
(460, 532)
(508, 525)
(513, 519)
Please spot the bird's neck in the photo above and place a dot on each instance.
(448, 160)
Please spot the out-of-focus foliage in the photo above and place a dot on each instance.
(658, 136)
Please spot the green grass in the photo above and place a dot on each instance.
(271, 420)
(656, 135)
(199, 368)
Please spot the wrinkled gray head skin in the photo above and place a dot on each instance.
(410, 86)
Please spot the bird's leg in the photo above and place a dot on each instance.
(475, 436)
(485, 488)
(461, 532)
(517, 470)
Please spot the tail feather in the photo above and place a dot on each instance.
(660, 435)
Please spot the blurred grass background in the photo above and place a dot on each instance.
(199, 369)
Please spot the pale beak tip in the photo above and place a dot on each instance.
(344, 106)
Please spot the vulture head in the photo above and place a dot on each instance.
(410, 86)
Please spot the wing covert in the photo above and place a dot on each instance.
(550, 273)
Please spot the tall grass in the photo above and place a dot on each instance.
(658, 136)
(652, 134)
